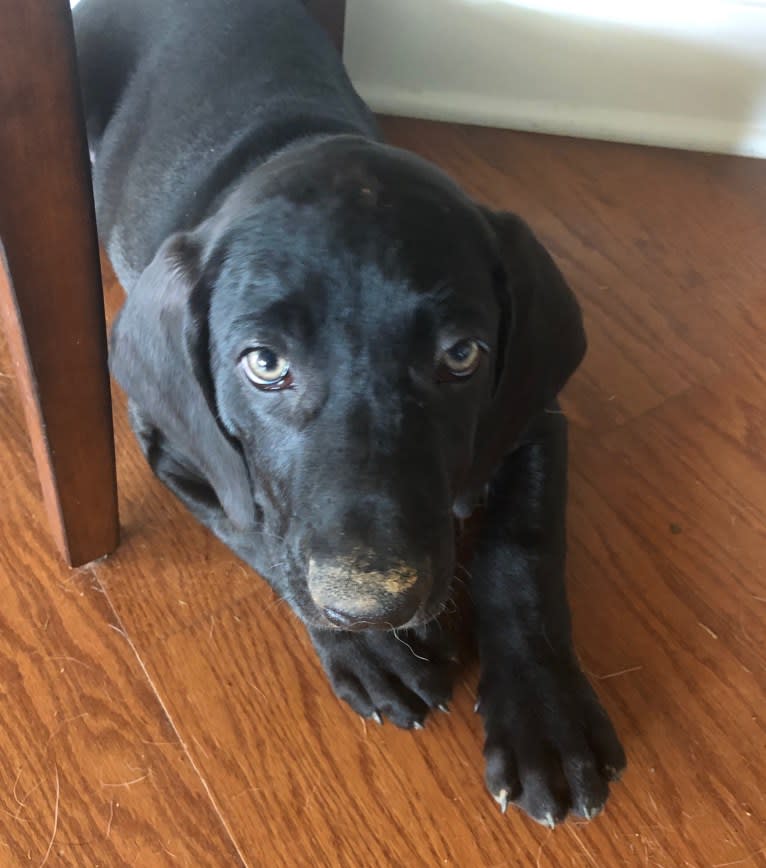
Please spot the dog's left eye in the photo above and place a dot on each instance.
(461, 359)
(267, 369)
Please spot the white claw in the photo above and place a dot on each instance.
(502, 799)
(377, 718)
(417, 725)
(476, 706)
(592, 812)
(442, 707)
(548, 821)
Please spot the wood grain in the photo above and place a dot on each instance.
(667, 532)
(91, 770)
(50, 291)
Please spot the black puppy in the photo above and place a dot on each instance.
(330, 351)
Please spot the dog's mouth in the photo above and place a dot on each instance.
(417, 620)
(430, 609)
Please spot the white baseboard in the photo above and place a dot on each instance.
(606, 124)
(676, 73)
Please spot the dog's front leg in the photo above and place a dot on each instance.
(550, 746)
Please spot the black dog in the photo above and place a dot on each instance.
(330, 351)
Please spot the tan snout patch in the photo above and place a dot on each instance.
(346, 571)
(344, 579)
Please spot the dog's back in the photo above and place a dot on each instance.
(183, 97)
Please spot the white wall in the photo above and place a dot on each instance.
(678, 72)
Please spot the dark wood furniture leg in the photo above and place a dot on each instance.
(50, 287)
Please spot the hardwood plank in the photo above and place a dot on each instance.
(667, 517)
(668, 532)
(85, 747)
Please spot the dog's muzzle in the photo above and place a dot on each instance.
(358, 592)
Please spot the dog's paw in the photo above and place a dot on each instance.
(398, 675)
(550, 746)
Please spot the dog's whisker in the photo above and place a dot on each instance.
(449, 606)
(466, 571)
(278, 537)
(407, 644)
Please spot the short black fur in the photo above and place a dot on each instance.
(246, 200)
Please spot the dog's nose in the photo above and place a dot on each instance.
(354, 596)
(374, 619)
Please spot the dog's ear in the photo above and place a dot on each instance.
(542, 339)
(159, 354)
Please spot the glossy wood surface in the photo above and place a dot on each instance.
(169, 680)
(51, 305)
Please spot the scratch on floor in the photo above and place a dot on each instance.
(111, 818)
(120, 631)
(71, 660)
(201, 749)
(249, 789)
(166, 711)
(258, 690)
(740, 861)
(125, 784)
(13, 816)
(15, 786)
(546, 839)
(62, 724)
(618, 673)
(581, 845)
(55, 819)
(22, 802)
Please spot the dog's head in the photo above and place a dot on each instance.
(339, 359)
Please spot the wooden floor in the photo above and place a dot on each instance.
(164, 708)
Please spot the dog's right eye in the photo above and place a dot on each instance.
(266, 369)
(460, 360)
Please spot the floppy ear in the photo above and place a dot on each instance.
(159, 355)
(542, 339)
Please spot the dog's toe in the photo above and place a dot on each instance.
(400, 677)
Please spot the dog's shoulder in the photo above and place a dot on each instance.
(183, 97)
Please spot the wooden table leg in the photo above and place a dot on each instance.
(50, 289)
